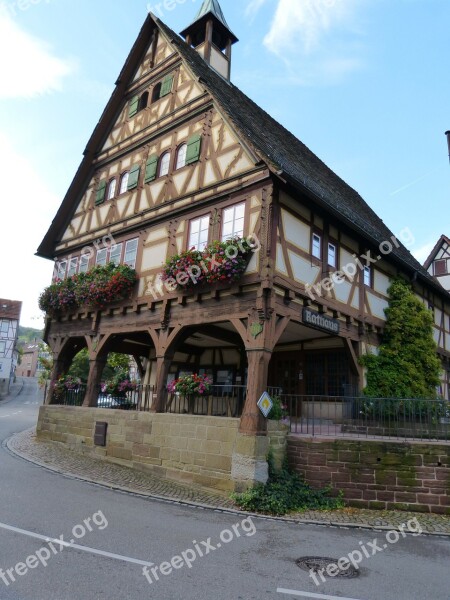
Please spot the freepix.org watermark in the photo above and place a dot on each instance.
(199, 550)
(350, 270)
(157, 287)
(158, 8)
(53, 547)
(366, 551)
(11, 9)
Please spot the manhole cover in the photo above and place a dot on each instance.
(328, 567)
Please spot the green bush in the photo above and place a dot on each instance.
(286, 492)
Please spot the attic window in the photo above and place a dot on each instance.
(163, 88)
(111, 189)
(138, 103)
(440, 267)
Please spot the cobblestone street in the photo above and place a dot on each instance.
(57, 458)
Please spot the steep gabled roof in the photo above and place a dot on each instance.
(285, 154)
(443, 239)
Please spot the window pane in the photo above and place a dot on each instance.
(115, 254)
(198, 233)
(131, 253)
(440, 267)
(367, 276)
(112, 189)
(84, 263)
(165, 163)
(2, 347)
(61, 273)
(4, 327)
(240, 211)
(101, 257)
(332, 255)
(228, 215)
(181, 157)
(316, 245)
(227, 231)
(72, 267)
(238, 229)
(124, 183)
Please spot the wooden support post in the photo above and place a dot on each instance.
(96, 367)
(252, 420)
(162, 371)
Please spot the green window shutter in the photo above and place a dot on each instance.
(151, 168)
(166, 86)
(133, 179)
(134, 106)
(101, 192)
(193, 149)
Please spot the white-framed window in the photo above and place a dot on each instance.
(181, 156)
(112, 185)
(316, 246)
(198, 233)
(61, 268)
(115, 253)
(164, 164)
(4, 327)
(73, 264)
(84, 263)
(332, 255)
(131, 248)
(2, 347)
(367, 276)
(233, 221)
(102, 257)
(124, 182)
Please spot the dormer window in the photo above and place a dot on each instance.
(164, 164)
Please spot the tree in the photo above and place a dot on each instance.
(407, 365)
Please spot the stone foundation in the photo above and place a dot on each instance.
(202, 450)
(377, 474)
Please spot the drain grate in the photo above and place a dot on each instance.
(319, 564)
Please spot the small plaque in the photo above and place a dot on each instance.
(100, 433)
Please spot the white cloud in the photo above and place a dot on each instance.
(253, 7)
(307, 35)
(28, 67)
(26, 212)
(421, 254)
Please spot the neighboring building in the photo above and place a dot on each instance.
(9, 330)
(181, 157)
(29, 365)
(438, 263)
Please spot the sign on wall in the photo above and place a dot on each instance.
(322, 322)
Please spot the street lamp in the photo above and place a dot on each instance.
(447, 133)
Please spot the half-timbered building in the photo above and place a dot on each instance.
(180, 158)
(9, 331)
(438, 262)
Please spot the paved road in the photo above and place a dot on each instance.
(116, 535)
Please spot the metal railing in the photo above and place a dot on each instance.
(222, 401)
(139, 399)
(362, 417)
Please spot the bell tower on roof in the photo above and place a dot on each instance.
(211, 36)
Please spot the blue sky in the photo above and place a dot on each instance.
(364, 83)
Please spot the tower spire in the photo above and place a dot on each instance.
(212, 37)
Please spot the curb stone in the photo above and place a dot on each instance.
(25, 446)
